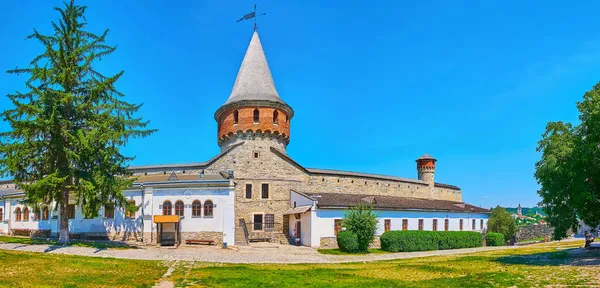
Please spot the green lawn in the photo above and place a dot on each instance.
(25, 269)
(78, 243)
(533, 266)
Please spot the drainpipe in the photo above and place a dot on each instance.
(143, 194)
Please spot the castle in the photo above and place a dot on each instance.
(253, 190)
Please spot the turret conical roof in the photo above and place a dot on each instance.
(254, 83)
(254, 80)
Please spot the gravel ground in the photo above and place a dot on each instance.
(255, 253)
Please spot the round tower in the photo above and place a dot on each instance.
(426, 168)
(254, 109)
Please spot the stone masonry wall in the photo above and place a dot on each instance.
(534, 231)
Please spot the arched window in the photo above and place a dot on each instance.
(208, 209)
(275, 116)
(236, 117)
(256, 116)
(167, 207)
(45, 213)
(18, 214)
(196, 208)
(25, 214)
(179, 208)
(36, 214)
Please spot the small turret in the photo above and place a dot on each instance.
(426, 169)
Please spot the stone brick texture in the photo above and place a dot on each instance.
(283, 176)
(534, 231)
(331, 243)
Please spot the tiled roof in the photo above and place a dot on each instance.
(426, 157)
(339, 200)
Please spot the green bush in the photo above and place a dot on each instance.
(407, 241)
(362, 221)
(494, 239)
(347, 241)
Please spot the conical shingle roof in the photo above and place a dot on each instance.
(254, 80)
(254, 84)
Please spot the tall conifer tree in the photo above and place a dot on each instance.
(68, 127)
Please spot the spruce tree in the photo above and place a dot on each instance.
(68, 127)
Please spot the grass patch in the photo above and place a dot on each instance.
(26, 269)
(337, 251)
(532, 240)
(482, 269)
(77, 243)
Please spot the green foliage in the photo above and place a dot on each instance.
(347, 241)
(408, 241)
(569, 167)
(494, 239)
(362, 221)
(68, 127)
(501, 222)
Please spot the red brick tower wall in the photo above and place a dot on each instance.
(227, 125)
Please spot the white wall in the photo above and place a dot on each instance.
(223, 219)
(324, 226)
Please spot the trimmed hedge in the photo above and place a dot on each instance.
(494, 239)
(408, 241)
(347, 241)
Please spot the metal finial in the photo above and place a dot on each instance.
(252, 15)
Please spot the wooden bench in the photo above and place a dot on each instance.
(259, 240)
(199, 241)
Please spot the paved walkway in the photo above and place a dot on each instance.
(256, 253)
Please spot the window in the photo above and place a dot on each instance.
(461, 224)
(71, 211)
(446, 224)
(109, 210)
(256, 116)
(404, 224)
(36, 214)
(45, 213)
(1, 214)
(473, 226)
(249, 191)
(179, 208)
(265, 191)
(196, 208)
(167, 207)
(257, 222)
(208, 208)
(420, 224)
(26, 214)
(387, 225)
(18, 214)
(236, 117)
(434, 225)
(337, 226)
(269, 222)
(256, 154)
(481, 224)
(275, 116)
(130, 213)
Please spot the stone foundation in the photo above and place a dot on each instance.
(204, 235)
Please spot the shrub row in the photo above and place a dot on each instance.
(347, 241)
(494, 239)
(407, 241)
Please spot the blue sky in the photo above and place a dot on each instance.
(373, 85)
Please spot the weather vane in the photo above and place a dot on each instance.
(252, 15)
